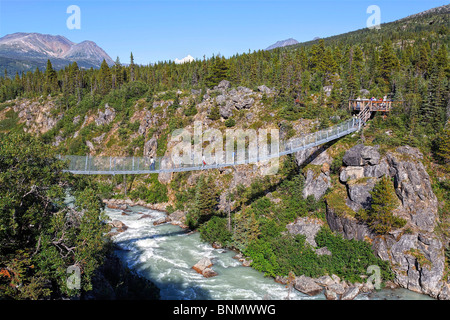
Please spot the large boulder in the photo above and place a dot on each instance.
(370, 155)
(307, 285)
(351, 173)
(353, 156)
(377, 171)
(360, 155)
(226, 110)
(202, 265)
(119, 225)
(204, 268)
(224, 84)
(178, 217)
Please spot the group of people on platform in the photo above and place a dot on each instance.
(384, 102)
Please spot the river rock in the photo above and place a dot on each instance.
(325, 281)
(161, 221)
(208, 273)
(282, 280)
(337, 287)
(330, 294)
(112, 205)
(247, 263)
(307, 285)
(350, 293)
(203, 264)
(145, 216)
(119, 225)
(178, 218)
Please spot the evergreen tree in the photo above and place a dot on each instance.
(380, 215)
(104, 78)
(388, 62)
(443, 146)
(50, 79)
(132, 68)
(217, 72)
(205, 203)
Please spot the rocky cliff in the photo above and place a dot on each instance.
(415, 251)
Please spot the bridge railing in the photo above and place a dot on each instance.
(134, 165)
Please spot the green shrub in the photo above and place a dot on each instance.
(230, 123)
(214, 114)
(151, 192)
(215, 230)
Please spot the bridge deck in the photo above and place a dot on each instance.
(141, 165)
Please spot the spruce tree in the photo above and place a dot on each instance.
(205, 203)
(217, 72)
(51, 79)
(132, 68)
(380, 216)
(104, 78)
(388, 62)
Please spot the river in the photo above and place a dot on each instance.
(166, 253)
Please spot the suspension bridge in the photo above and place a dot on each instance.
(91, 165)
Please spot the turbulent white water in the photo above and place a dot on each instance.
(165, 254)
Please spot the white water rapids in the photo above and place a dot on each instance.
(166, 253)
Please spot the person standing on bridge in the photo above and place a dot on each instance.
(204, 160)
(152, 164)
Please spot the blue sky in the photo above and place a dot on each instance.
(157, 30)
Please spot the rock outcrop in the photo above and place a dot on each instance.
(37, 116)
(415, 252)
(306, 226)
(317, 173)
(104, 118)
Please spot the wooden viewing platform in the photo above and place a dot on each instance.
(372, 105)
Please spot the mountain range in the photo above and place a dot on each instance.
(22, 52)
(282, 43)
